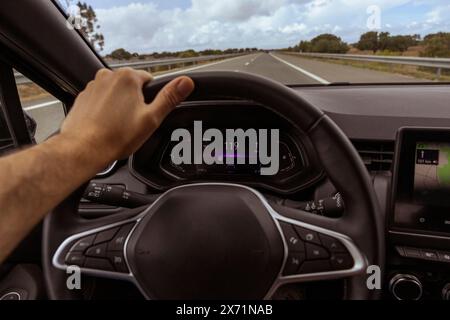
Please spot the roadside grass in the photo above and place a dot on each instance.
(406, 70)
(412, 71)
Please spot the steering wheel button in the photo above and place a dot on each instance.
(74, 259)
(295, 244)
(332, 244)
(82, 244)
(293, 263)
(105, 236)
(308, 235)
(97, 251)
(315, 266)
(341, 261)
(118, 242)
(98, 264)
(314, 252)
(118, 261)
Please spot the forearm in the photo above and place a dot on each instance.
(34, 180)
(109, 120)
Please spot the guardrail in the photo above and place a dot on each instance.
(147, 65)
(171, 62)
(438, 63)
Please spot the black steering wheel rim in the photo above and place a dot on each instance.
(362, 220)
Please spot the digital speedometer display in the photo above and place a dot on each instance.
(256, 146)
(233, 161)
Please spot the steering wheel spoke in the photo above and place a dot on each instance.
(98, 252)
(315, 250)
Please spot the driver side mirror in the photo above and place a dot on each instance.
(31, 125)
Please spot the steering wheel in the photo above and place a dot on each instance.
(226, 241)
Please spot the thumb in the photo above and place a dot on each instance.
(170, 96)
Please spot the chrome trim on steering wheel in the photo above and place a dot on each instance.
(360, 262)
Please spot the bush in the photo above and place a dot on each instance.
(324, 43)
(383, 41)
(437, 45)
(121, 54)
(188, 54)
(368, 41)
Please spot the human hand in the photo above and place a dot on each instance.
(111, 118)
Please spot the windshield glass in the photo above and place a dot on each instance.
(291, 41)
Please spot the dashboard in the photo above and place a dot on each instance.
(419, 214)
(400, 132)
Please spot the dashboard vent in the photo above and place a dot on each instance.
(376, 155)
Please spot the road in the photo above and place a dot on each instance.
(284, 68)
(290, 69)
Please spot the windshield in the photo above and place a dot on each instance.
(291, 41)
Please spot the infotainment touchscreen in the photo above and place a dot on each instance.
(432, 173)
(421, 181)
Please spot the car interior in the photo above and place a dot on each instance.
(354, 196)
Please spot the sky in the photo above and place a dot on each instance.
(146, 26)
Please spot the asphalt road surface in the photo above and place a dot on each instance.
(287, 69)
(290, 69)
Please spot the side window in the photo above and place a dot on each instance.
(43, 112)
(6, 140)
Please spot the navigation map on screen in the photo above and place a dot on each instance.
(432, 173)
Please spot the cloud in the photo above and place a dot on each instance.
(148, 27)
(293, 28)
(234, 10)
(439, 14)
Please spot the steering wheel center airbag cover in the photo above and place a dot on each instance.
(206, 242)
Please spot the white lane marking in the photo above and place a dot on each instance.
(50, 103)
(247, 64)
(42, 105)
(259, 55)
(196, 68)
(307, 73)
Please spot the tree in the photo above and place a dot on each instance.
(188, 54)
(328, 43)
(90, 28)
(324, 43)
(383, 40)
(368, 41)
(401, 43)
(121, 54)
(304, 46)
(437, 45)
